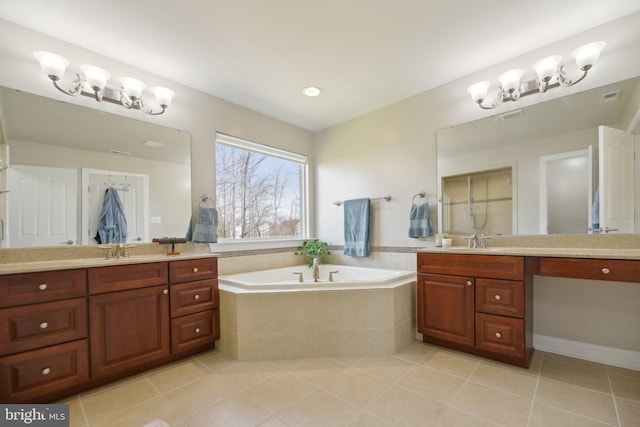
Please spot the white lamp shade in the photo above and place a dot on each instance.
(510, 81)
(95, 76)
(132, 87)
(163, 95)
(546, 67)
(52, 64)
(588, 54)
(478, 91)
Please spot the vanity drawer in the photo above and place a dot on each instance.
(188, 298)
(193, 269)
(504, 297)
(26, 376)
(29, 288)
(493, 266)
(591, 268)
(33, 326)
(499, 334)
(123, 277)
(194, 330)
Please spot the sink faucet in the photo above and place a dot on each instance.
(316, 270)
(476, 241)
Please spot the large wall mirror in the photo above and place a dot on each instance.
(60, 158)
(540, 169)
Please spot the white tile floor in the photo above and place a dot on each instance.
(419, 386)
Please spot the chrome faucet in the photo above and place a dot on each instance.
(476, 241)
(316, 270)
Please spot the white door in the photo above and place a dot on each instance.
(565, 192)
(616, 184)
(43, 207)
(133, 191)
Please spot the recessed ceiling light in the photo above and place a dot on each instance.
(312, 91)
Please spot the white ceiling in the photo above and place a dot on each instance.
(364, 54)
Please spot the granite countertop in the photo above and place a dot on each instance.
(67, 264)
(607, 253)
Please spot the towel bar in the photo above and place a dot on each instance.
(387, 198)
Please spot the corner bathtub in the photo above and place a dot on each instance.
(286, 279)
(270, 315)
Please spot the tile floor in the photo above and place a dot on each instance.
(419, 386)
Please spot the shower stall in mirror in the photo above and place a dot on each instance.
(478, 203)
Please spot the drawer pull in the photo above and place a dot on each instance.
(46, 371)
(165, 291)
(42, 286)
(605, 270)
(469, 283)
(197, 330)
(196, 296)
(498, 297)
(195, 269)
(44, 325)
(498, 335)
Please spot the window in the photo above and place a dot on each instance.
(260, 190)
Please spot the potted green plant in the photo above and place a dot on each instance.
(314, 249)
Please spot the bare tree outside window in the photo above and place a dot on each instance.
(258, 195)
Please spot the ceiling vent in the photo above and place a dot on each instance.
(610, 97)
(511, 115)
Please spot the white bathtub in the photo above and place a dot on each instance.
(286, 279)
(269, 315)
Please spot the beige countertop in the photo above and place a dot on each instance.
(67, 264)
(607, 253)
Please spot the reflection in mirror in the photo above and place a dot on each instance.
(520, 139)
(61, 159)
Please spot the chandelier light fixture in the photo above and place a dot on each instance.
(549, 74)
(92, 82)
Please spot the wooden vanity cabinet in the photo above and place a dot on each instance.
(481, 304)
(43, 334)
(129, 316)
(195, 315)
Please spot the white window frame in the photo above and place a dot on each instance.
(225, 244)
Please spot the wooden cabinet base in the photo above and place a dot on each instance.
(522, 362)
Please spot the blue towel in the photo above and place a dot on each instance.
(420, 221)
(112, 223)
(595, 213)
(356, 227)
(206, 225)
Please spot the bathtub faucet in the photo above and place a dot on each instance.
(316, 270)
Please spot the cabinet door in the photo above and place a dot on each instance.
(128, 329)
(445, 307)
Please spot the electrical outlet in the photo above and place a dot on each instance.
(156, 220)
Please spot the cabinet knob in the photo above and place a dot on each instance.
(165, 291)
(46, 371)
(498, 297)
(469, 283)
(196, 296)
(498, 335)
(197, 330)
(42, 286)
(44, 325)
(605, 270)
(195, 269)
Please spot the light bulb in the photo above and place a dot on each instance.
(132, 87)
(478, 91)
(95, 76)
(587, 55)
(546, 67)
(510, 81)
(163, 95)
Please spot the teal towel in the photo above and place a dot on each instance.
(420, 221)
(206, 230)
(356, 227)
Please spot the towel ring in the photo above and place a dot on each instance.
(205, 199)
(422, 195)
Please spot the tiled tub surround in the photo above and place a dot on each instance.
(316, 320)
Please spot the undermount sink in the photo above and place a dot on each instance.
(464, 248)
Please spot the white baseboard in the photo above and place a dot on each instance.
(596, 353)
